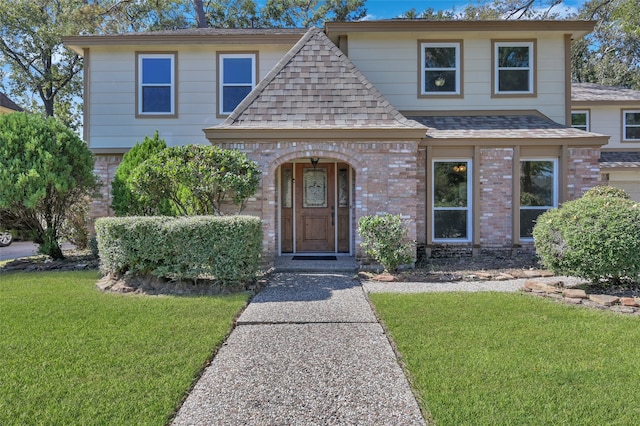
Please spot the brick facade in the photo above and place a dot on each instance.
(385, 180)
(583, 171)
(105, 168)
(496, 197)
(389, 177)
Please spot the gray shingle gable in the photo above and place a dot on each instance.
(316, 86)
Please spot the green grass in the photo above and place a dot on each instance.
(70, 354)
(511, 359)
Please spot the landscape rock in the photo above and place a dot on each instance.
(503, 277)
(533, 273)
(483, 275)
(574, 293)
(604, 299)
(385, 278)
(573, 301)
(630, 301)
(540, 287)
(623, 309)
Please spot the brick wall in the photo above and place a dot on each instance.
(496, 195)
(105, 167)
(583, 171)
(384, 178)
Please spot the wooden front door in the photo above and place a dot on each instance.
(315, 207)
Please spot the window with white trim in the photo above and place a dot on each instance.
(237, 78)
(631, 125)
(440, 69)
(580, 120)
(538, 191)
(451, 218)
(513, 67)
(156, 84)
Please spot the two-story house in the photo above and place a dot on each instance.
(615, 112)
(459, 126)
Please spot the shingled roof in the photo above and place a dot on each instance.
(315, 86)
(617, 159)
(5, 102)
(500, 127)
(591, 92)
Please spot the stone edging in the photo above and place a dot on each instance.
(574, 296)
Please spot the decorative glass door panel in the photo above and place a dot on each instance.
(286, 211)
(315, 188)
(315, 207)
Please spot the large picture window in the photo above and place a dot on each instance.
(440, 68)
(237, 78)
(513, 68)
(631, 129)
(156, 84)
(451, 219)
(538, 191)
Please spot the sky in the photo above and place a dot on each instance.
(385, 9)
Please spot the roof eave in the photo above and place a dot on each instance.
(592, 141)
(606, 102)
(577, 28)
(78, 43)
(315, 134)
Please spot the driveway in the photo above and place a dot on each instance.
(24, 249)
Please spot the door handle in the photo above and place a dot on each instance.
(333, 215)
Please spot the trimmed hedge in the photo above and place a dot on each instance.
(227, 249)
(595, 237)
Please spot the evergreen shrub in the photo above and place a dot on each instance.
(596, 237)
(384, 238)
(227, 249)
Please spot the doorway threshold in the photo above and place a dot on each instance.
(317, 263)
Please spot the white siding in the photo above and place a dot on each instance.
(607, 120)
(627, 180)
(112, 120)
(390, 61)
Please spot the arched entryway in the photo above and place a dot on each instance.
(315, 199)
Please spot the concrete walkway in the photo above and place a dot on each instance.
(307, 351)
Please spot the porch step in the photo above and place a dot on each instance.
(308, 264)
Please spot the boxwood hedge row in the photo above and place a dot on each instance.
(227, 249)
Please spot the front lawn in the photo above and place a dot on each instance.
(491, 358)
(70, 354)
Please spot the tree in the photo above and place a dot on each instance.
(197, 179)
(30, 44)
(611, 54)
(306, 13)
(44, 170)
(124, 201)
(38, 63)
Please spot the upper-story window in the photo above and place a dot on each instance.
(514, 68)
(580, 120)
(156, 84)
(440, 68)
(631, 125)
(237, 77)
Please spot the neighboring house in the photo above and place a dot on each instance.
(459, 126)
(7, 106)
(616, 112)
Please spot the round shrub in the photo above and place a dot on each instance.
(606, 191)
(384, 239)
(594, 237)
